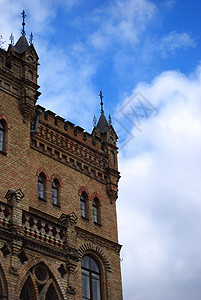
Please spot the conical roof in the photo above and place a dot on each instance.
(102, 124)
(21, 44)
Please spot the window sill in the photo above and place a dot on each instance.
(42, 199)
(3, 153)
(84, 218)
(56, 205)
(98, 224)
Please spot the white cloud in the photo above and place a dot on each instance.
(122, 22)
(174, 41)
(159, 203)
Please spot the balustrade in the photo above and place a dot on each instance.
(42, 230)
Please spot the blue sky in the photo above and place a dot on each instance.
(138, 53)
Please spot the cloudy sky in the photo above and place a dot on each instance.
(145, 56)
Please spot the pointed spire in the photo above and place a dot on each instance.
(109, 120)
(94, 121)
(21, 44)
(1, 41)
(23, 23)
(11, 38)
(101, 104)
(31, 39)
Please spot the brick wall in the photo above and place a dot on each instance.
(79, 162)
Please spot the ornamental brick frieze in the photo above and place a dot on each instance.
(64, 141)
(97, 240)
(5, 214)
(77, 162)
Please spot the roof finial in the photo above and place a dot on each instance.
(23, 23)
(11, 38)
(110, 120)
(31, 39)
(94, 121)
(101, 104)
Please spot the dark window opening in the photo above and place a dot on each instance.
(83, 204)
(96, 212)
(55, 192)
(41, 186)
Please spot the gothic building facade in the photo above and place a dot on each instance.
(58, 191)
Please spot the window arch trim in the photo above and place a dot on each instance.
(56, 176)
(83, 189)
(42, 170)
(4, 119)
(89, 247)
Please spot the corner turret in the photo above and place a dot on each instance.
(19, 65)
(105, 132)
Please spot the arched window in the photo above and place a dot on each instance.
(55, 192)
(90, 279)
(42, 186)
(96, 210)
(27, 291)
(83, 204)
(2, 133)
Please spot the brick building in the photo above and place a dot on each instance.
(58, 191)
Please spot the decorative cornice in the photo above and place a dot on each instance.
(98, 240)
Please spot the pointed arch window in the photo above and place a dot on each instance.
(83, 205)
(40, 284)
(42, 186)
(55, 192)
(2, 136)
(91, 284)
(96, 210)
(27, 291)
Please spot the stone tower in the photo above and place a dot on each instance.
(58, 189)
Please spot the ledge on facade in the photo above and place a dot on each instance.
(56, 205)
(97, 224)
(42, 199)
(41, 214)
(3, 153)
